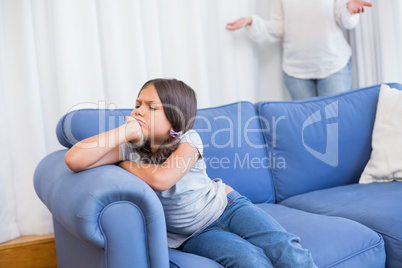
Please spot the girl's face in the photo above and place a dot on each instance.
(150, 115)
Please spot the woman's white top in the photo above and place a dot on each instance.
(314, 46)
(194, 202)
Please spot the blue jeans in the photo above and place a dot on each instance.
(246, 236)
(306, 88)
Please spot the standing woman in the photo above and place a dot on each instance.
(316, 56)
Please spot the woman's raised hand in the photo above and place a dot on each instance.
(357, 6)
(240, 23)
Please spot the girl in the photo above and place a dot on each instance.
(158, 145)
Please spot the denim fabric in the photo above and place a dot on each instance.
(306, 88)
(246, 236)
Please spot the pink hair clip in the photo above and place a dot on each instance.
(175, 134)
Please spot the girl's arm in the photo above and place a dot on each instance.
(162, 177)
(104, 148)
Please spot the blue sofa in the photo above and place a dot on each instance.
(299, 161)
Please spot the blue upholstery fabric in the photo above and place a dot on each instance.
(325, 142)
(81, 124)
(72, 251)
(328, 239)
(234, 149)
(376, 205)
(179, 259)
(86, 204)
(332, 241)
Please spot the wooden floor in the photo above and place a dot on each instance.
(29, 252)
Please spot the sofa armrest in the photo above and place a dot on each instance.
(83, 203)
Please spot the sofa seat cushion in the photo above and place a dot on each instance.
(327, 238)
(332, 241)
(376, 205)
(179, 259)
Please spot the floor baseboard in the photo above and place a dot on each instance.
(36, 251)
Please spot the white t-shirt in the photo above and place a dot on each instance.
(194, 202)
(314, 46)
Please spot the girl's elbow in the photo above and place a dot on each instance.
(158, 187)
(159, 184)
(72, 163)
(162, 188)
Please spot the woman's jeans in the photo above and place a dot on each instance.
(306, 88)
(246, 236)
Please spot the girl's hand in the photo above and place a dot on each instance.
(133, 131)
(357, 6)
(240, 23)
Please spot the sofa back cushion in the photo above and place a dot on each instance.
(325, 142)
(234, 147)
(81, 124)
(235, 150)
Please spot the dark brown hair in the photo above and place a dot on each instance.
(179, 103)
